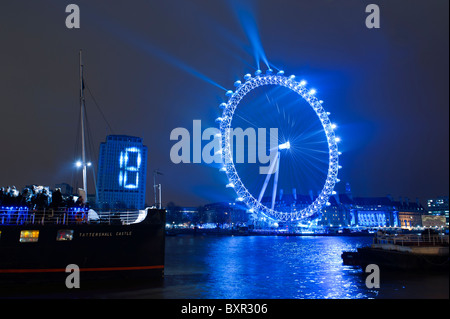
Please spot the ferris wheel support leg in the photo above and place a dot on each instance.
(275, 181)
(269, 174)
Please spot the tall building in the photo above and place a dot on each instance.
(122, 169)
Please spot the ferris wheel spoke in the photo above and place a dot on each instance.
(266, 181)
(275, 181)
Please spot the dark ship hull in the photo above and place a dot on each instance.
(40, 252)
(391, 259)
(403, 252)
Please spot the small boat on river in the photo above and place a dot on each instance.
(425, 251)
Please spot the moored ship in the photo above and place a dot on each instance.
(426, 251)
(43, 237)
(37, 246)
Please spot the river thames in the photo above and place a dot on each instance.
(276, 267)
(266, 267)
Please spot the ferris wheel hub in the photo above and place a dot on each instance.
(284, 146)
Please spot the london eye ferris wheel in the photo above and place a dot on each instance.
(303, 154)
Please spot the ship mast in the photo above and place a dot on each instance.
(83, 143)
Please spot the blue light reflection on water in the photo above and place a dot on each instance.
(263, 268)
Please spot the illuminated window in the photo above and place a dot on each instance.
(29, 236)
(64, 234)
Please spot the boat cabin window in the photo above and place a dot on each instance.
(29, 236)
(64, 234)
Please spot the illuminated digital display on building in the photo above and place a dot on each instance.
(122, 172)
(129, 169)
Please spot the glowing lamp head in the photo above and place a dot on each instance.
(284, 146)
(78, 164)
(302, 82)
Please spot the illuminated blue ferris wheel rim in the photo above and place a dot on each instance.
(244, 195)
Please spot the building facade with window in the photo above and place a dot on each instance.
(438, 207)
(409, 213)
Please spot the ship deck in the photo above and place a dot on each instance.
(14, 216)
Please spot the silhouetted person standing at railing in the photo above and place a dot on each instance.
(57, 198)
(41, 201)
(79, 202)
(26, 197)
(2, 195)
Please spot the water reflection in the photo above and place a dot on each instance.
(283, 267)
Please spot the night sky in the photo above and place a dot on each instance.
(153, 66)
